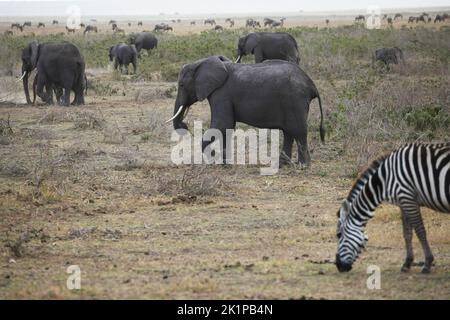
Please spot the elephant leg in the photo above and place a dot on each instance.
(303, 153)
(301, 135)
(49, 94)
(40, 88)
(66, 97)
(286, 155)
(126, 69)
(116, 64)
(221, 119)
(134, 67)
(259, 57)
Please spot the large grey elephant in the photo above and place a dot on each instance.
(58, 64)
(143, 40)
(269, 45)
(123, 54)
(275, 94)
(388, 55)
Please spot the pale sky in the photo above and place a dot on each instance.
(189, 7)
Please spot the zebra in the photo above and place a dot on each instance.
(412, 176)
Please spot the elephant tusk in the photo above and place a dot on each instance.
(23, 75)
(237, 60)
(176, 114)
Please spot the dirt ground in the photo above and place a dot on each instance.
(94, 186)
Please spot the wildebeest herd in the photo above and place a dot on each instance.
(274, 93)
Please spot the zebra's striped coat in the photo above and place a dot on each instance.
(412, 176)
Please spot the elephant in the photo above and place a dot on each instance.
(274, 94)
(57, 90)
(123, 54)
(269, 45)
(90, 28)
(59, 64)
(388, 55)
(143, 40)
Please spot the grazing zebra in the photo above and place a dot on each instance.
(415, 175)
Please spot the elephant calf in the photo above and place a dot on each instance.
(269, 45)
(274, 94)
(388, 55)
(122, 55)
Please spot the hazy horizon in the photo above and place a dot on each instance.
(203, 7)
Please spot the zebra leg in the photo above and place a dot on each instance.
(407, 234)
(415, 218)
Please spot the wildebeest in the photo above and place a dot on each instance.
(268, 22)
(218, 28)
(55, 22)
(360, 18)
(139, 23)
(230, 21)
(112, 21)
(41, 24)
(162, 27)
(192, 23)
(69, 30)
(8, 33)
(210, 21)
(398, 15)
(27, 24)
(252, 23)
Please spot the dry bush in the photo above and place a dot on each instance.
(155, 93)
(6, 127)
(52, 116)
(112, 134)
(195, 181)
(88, 120)
(17, 246)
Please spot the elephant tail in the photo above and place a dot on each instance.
(321, 128)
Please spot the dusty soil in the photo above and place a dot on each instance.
(94, 186)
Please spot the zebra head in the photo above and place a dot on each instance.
(351, 238)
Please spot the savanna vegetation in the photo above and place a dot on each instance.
(94, 185)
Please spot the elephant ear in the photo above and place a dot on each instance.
(210, 74)
(34, 48)
(251, 42)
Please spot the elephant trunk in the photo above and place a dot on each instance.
(25, 74)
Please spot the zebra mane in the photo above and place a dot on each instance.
(364, 177)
